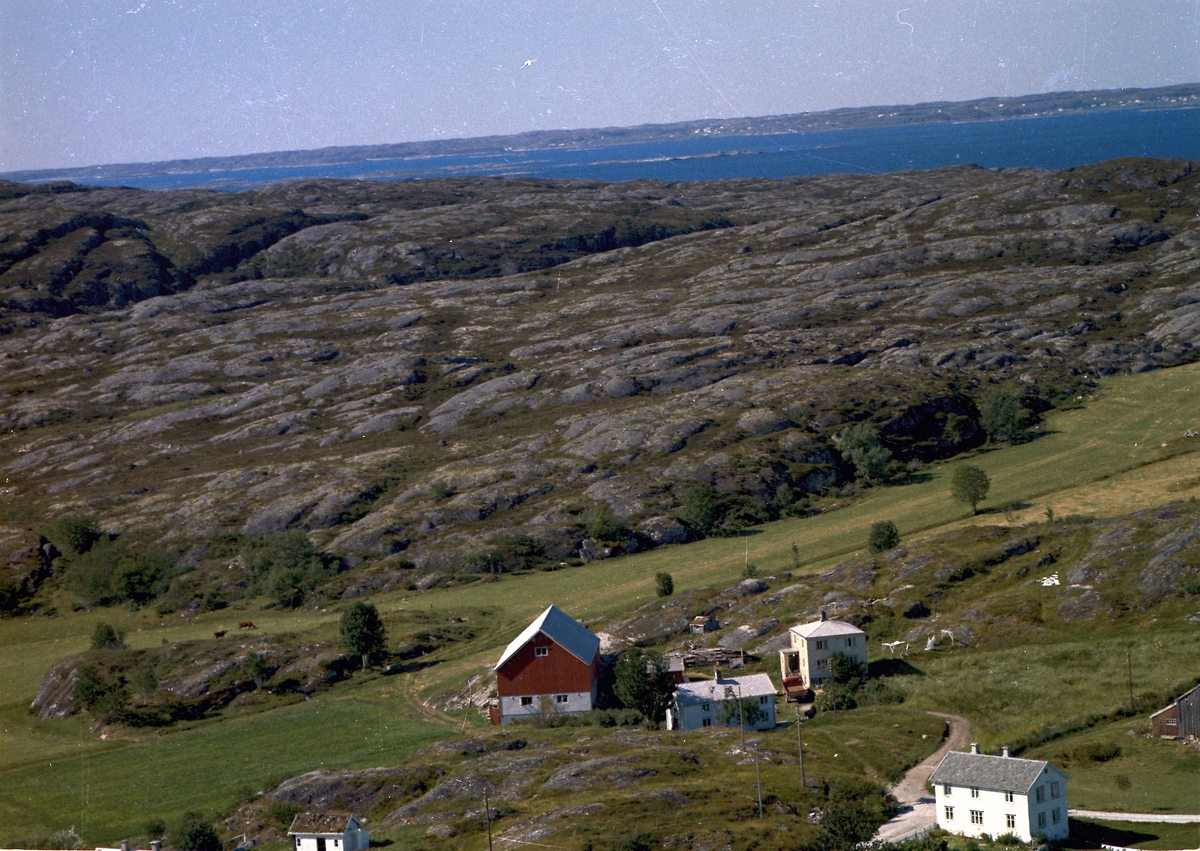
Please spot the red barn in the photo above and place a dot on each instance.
(552, 666)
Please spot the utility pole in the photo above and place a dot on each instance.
(800, 747)
(758, 780)
(1129, 668)
(487, 809)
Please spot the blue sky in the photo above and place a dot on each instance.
(85, 82)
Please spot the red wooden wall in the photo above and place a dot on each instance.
(558, 672)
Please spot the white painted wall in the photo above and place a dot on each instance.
(512, 710)
(814, 661)
(994, 808)
(351, 840)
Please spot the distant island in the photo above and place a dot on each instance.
(984, 109)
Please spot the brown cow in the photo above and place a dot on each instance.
(247, 625)
(220, 633)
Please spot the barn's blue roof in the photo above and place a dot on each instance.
(563, 630)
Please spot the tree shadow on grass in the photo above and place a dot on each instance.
(1088, 834)
(893, 668)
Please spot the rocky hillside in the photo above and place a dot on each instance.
(404, 371)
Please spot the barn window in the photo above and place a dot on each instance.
(1172, 722)
(541, 651)
(527, 701)
(560, 698)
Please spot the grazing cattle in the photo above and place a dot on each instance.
(220, 633)
(247, 625)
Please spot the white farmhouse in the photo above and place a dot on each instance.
(328, 832)
(814, 643)
(978, 793)
(709, 703)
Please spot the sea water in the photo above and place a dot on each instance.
(1050, 141)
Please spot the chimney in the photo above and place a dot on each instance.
(823, 616)
(155, 845)
(124, 845)
(1004, 751)
(974, 747)
(716, 675)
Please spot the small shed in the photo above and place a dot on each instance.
(702, 624)
(1179, 719)
(328, 832)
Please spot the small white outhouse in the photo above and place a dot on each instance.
(328, 832)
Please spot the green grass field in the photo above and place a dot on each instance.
(1106, 458)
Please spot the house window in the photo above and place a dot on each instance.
(1056, 815)
(297, 841)
(705, 722)
(974, 791)
(527, 701)
(1041, 819)
(1010, 821)
(947, 789)
(560, 698)
(976, 816)
(949, 813)
(849, 642)
(820, 645)
(1040, 794)
(541, 651)
(764, 700)
(1008, 797)
(704, 707)
(1054, 789)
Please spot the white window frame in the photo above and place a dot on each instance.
(527, 700)
(947, 789)
(561, 698)
(1008, 797)
(541, 652)
(974, 791)
(976, 816)
(949, 813)
(1010, 821)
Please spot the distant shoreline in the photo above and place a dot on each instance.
(939, 112)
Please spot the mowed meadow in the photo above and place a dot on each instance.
(1118, 451)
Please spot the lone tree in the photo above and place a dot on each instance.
(884, 536)
(1001, 416)
(643, 682)
(969, 484)
(664, 584)
(698, 508)
(362, 631)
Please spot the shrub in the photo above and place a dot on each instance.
(491, 561)
(603, 525)
(104, 637)
(884, 536)
(664, 584)
(1001, 416)
(75, 534)
(283, 812)
(835, 697)
(288, 566)
(99, 693)
(1192, 586)
(155, 828)
(843, 670)
(195, 833)
(642, 682)
(750, 570)
(698, 508)
(66, 838)
(859, 444)
(521, 552)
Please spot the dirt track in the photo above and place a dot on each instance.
(916, 806)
